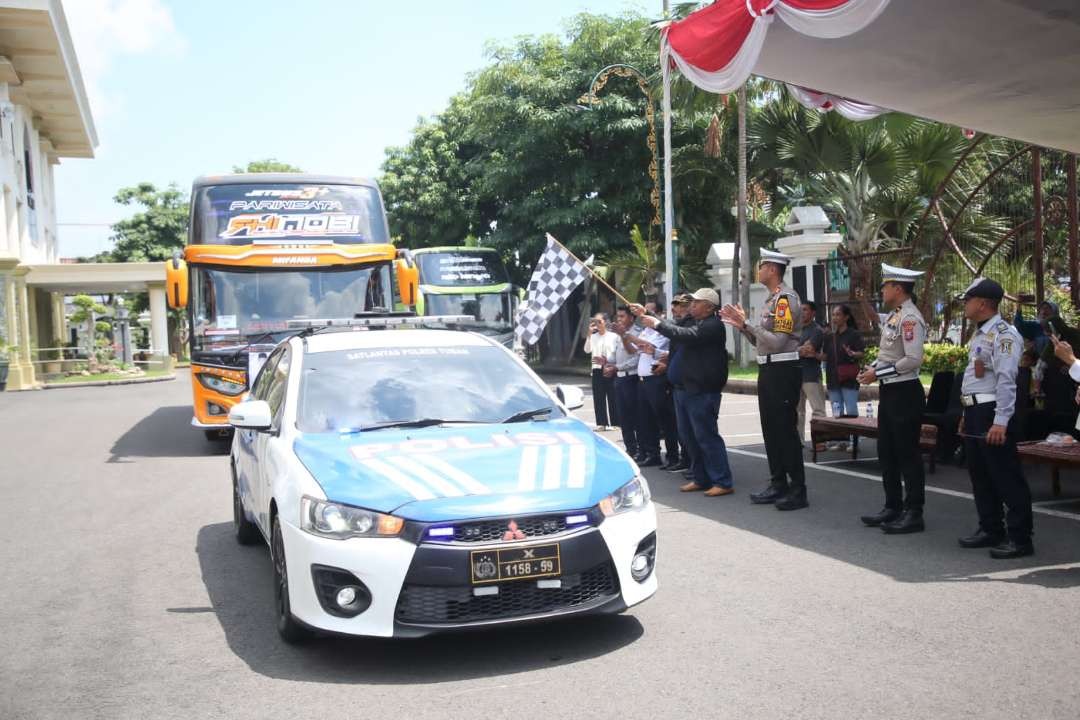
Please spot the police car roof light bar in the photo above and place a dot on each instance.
(380, 322)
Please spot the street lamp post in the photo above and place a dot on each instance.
(596, 85)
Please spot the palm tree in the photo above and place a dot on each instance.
(640, 269)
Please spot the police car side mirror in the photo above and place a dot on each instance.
(251, 415)
(570, 396)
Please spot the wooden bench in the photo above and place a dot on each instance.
(841, 428)
(1056, 456)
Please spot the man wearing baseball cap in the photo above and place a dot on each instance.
(988, 397)
(701, 374)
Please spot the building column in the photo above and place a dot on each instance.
(159, 325)
(20, 370)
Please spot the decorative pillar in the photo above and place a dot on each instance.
(20, 369)
(159, 325)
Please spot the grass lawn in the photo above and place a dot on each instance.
(108, 376)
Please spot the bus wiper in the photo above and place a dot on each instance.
(528, 415)
(254, 341)
(417, 423)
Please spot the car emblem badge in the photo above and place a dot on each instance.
(512, 532)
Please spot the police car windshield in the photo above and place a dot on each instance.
(348, 390)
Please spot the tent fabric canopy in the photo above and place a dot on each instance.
(1005, 67)
(851, 109)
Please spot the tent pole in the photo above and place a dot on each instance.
(1036, 179)
(1074, 253)
(669, 211)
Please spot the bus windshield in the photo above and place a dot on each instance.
(241, 214)
(490, 309)
(231, 307)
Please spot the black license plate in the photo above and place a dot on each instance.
(527, 563)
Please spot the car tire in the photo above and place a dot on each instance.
(247, 533)
(217, 436)
(290, 630)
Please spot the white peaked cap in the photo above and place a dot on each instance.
(891, 273)
(775, 257)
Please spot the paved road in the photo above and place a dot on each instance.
(122, 595)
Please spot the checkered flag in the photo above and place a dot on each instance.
(556, 275)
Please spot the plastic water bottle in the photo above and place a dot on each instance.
(869, 409)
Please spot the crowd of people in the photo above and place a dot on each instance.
(661, 382)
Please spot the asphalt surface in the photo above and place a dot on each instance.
(124, 595)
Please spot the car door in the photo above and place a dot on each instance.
(266, 452)
(246, 459)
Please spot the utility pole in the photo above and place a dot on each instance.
(670, 257)
(743, 263)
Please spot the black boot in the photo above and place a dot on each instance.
(886, 514)
(910, 522)
(769, 495)
(1011, 549)
(981, 539)
(794, 500)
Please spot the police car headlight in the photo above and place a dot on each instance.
(339, 522)
(634, 495)
(221, 385)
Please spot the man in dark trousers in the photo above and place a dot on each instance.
(903, 401)
(776, 337)
(988, 396)
(626, 380)
(702, 373)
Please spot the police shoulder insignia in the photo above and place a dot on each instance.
(1002, 326)
(1005, 346)
(909, 329)
(783, 318)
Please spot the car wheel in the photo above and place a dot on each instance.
(217, 436)
(290, 630)
(246, 531)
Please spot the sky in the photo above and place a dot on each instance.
(182, 88)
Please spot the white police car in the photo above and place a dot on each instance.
(410, 481)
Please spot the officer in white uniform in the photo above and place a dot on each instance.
(988, 396)
(901, 406)
(776, 338)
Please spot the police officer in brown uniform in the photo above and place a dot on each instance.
(776, 337)
(900, 355)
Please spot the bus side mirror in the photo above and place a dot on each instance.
(176, 282)
(408, 277)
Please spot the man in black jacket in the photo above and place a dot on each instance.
(699, 374)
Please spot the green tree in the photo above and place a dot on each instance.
(268, 165)
(154, 232)
(86, 314)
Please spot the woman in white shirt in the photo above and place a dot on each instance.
(601, 345)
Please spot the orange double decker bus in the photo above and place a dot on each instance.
(267, 250)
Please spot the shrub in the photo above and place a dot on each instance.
(938, 357)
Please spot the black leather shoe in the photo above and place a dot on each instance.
(882, 516)
(794, 500)
(649, 461)
(678, 466)
(769, 495)
(911, 521)
(639, 456)
(1010, 549)
(980, 539)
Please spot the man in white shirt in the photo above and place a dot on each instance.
(601, 347)
(626, 380)
(655, 407)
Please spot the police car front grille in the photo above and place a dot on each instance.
(426, 605)
(493, 530)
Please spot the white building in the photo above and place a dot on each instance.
(44, 117)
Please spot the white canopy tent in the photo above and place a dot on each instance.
(1004, 67)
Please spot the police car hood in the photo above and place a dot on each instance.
(467, 471)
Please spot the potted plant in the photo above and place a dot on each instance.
(6, 351)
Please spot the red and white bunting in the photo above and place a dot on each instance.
(717, 47)
(825, 102)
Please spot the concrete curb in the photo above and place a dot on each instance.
(103, 383)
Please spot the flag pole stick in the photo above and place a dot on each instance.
(591, 271)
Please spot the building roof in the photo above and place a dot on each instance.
(37, 60)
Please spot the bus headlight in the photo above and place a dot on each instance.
(221, 385)
(339, 522)
(632, 496)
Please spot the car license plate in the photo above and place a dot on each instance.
(492, 566)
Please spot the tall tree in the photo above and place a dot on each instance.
(154, 231)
